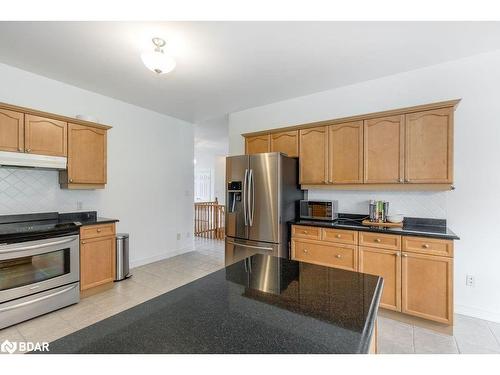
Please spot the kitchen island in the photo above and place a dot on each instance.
(262, 304)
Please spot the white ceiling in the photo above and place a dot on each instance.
(224, 67)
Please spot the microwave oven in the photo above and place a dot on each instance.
(319, 210)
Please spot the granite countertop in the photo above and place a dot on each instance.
(434, 228)
(262, 304)
(85, 218)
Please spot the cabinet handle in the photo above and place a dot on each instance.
(83, 242)
(405, 255)
(98, 230)
(338, 236)
(377, 240)
(425, 246)
(338, 256)
(305, 250)
(70, 180)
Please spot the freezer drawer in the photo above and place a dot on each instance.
(237, 249)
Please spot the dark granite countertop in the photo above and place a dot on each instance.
(85, 218)
(434, 228)
(262, 304)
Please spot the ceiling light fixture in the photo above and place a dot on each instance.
(158, 61)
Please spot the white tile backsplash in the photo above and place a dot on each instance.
(25, 190)
(414, 204)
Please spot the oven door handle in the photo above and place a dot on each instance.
(20, 247)
(27, 303)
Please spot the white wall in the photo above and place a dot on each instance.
(150, 167)
(473, 207)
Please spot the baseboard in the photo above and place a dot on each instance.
(141, 262)
(492, 316)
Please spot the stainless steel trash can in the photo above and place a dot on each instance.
(122, 254)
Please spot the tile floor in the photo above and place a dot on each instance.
(395, 337)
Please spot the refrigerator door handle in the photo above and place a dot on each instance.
(250, 246)
(245, 197)
(252, 204)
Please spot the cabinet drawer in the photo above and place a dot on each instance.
(93, 231)
(349, 237)
(301, 231)
(431, 246)
(380, 240)
(325, 254)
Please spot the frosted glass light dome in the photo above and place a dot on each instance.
(158, 61)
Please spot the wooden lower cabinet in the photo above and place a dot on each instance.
(427, 287)
(418, 280)
(385, 263)
(97, 257)
(325, 254)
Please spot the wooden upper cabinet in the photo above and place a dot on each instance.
(345, 153)
(427, 287)
(11, 131)
(384, 150)
(387, 264)
(86, 155)
(45, 136)
(286, 142)
(429, 146)
(313, 146)
(257, 144)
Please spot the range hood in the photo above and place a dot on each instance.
(21, 159)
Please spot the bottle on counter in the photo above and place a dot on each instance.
(372, 210)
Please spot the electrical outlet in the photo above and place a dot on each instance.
(469, 280)
(79, 205)
(178, 236)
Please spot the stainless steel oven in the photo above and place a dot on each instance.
(37, 277)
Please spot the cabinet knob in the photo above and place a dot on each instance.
(377, 240)
(305, 250)
(70, 180)
(405, 255)
(83, 242)
(304, 231)
(28, 150)
(398, 254)
(98, 230)
(338, 236)
(407, 180)
(400, 179)
(425, 246)
(338, 256)
(20, 149)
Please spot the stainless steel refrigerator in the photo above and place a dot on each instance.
(262, 191)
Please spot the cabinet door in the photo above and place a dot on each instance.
(325, 254)
(387, 264)
(86, 155)
(345, 153)
(429, 146)
(384, 150)
(11, 131)
(313, 155)
(257, 144)
(427, 287)
(97, 261)
(45, 136)
(286, 142)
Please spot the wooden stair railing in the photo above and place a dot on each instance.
(209, 220)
